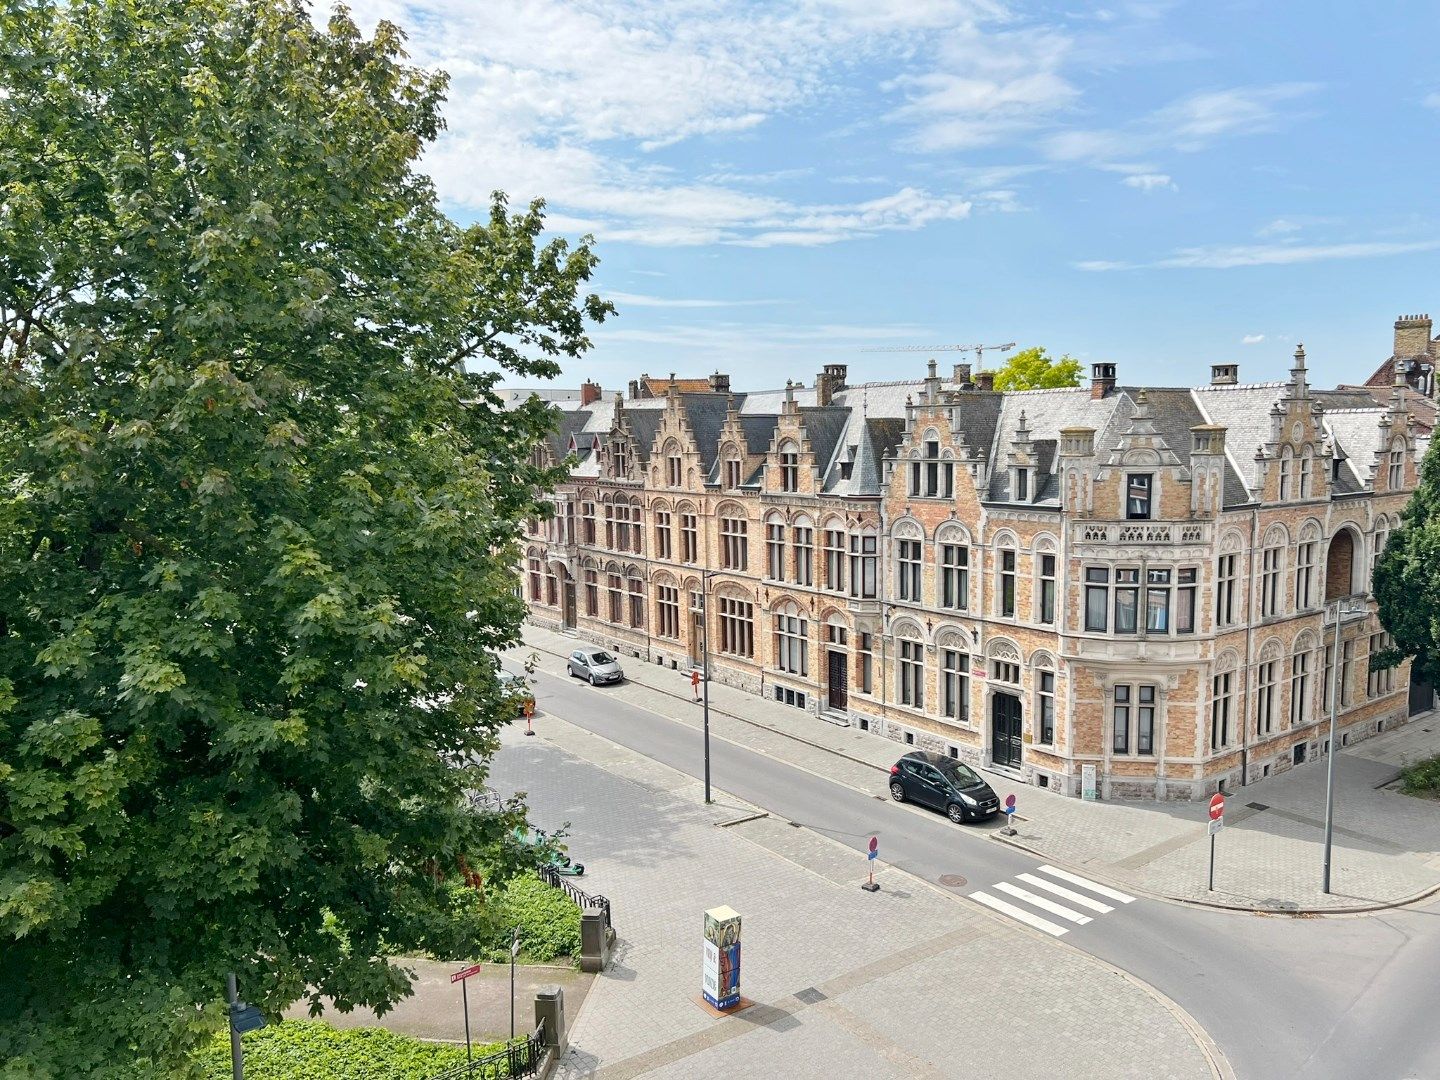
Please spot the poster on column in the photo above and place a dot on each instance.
(720, 965)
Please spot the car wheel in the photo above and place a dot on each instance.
(956, 812)
(897, 792)
(592, 680)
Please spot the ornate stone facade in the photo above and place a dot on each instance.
(1116, 583)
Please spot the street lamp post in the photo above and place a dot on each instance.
(705, 576)
(1342, 608)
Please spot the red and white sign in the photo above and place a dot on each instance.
(1217, 807)
(465, 973)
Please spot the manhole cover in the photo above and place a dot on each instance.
(952, 881)
(1257, 806)
(809, 995)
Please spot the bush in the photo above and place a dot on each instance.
(480, 930)
(311, 1050)
(1422, 778)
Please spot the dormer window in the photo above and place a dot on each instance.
(931, 478)
(1022, 485)
(1397, 465)
(1137, 496)
(673, 470)
(732, 473)
(789, 468)
(619, 458)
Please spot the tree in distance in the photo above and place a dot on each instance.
(1031, 369)
(258, 521)
(1407, 580)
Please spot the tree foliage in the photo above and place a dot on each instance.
(1032, 369)
(259, 511)
(1407, 579)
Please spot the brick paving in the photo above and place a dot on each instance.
(1386, 847)
(909, 982)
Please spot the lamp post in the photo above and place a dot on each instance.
(1342, 608)
(705, 576)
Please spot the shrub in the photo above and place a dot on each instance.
(1422, 778)
(311, 1050)
(549, 923)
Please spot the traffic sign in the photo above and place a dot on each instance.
(465, 973)
(874, 848)
(1009, 804)
(1217, 806)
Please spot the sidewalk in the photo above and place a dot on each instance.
(1386, 846)
(908, 982)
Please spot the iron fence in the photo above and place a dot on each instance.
(519, 1058)
(582, 899)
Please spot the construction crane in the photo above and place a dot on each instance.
(978, 350)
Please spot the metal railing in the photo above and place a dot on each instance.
(519, 1058)
(582, 899)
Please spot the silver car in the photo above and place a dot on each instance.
(595, 666)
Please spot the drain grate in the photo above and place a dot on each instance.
(796, 825)
(953, 881)
(1257, 806)
(810, 996)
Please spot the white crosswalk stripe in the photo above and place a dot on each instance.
(1023, 903)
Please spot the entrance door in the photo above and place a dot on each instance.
(1422, 695)
(568, 607)
(1005, 730)
(839, 683)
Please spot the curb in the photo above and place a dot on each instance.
(1244, 909)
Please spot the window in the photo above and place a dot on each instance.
(1347, 662)
(912, 673)
(667, 610)
(734, 545)
(865, 654)
(1221, 704)
(1381, 681)
(1382, 537)
(1097, 598)
(863, 552)
(804, 555)
(1046, 600)
(790, 643)
(587, 522)
(954, 577)
(1004, 671)
(1307, 466)
(775, 551)
(637, 603)
(834, 560)
(1270, 581)
(689, 539)
(1225, 591)
(592, 593)
(673, 470)
(1304, 573)
(662, 535)
(617, 601)
(1137, 496)
(1127, 599)
(1299, 688)
(732, 473)
(1185, 600)
(1022, 485)
(1157, 601)
(786, 696)
(907, 563)
(1045, 706)
(1397, 465)
(619, 459)
(1287, 462)
(1132, 719)
(789, 470)
(1007, 583)
(1265, 697)
(552, 586)
(737, 628)
(955, 684)
(932, 478)
(533, 566)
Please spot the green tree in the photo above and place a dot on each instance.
(1031, 369)
(258, 518)
(1407, 579)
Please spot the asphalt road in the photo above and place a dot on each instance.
(1320, 999)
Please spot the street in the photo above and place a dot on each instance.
(1282, 997)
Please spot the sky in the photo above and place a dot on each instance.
(776, 186)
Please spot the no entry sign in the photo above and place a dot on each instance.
(1217, 807)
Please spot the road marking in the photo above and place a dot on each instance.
(1073, 897)
(1020, 914)
(1086, 883)
(1043, 904)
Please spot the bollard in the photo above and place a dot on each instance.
(594, 944)
(550, 1011)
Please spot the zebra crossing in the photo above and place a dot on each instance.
(1058, 894)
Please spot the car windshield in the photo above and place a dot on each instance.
(601, 658)
(963, 774)
(510, 679)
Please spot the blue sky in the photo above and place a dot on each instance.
(776, 186)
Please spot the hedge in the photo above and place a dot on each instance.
(311, 1050)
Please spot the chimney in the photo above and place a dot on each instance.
(1077, 442)
(962, 374)
(635, 388)
(719, 384)
(1412, 336)
(589, 393)
(829, 383)
(984, 380)
(1224, 374)
(1102, 380)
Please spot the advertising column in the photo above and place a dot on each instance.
(720, 969)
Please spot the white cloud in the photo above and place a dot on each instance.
(626, 299)
(1232, 256)
(1431, 101)
(1150, 182)
(1252, 339)
(1279, 227)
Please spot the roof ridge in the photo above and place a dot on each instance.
(1242, 386)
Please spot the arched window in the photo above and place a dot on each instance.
(736, 612)
(1305, 555)
(1044, 681)
(1272, 570)
(864, 554)
(1307, 470)
(1377, 548)
(909, 665)
(1340, 566)
(636, 588)
(1300, 679)
(1287, 463)
(775, 547)
(1222, 701)
(802, 533)
(833, 537)
(932, 474)
(909, 556)
(1397, 464)
(674, 464)
(734, 540)
(789, 467)
(792, 639)
(1267, 677)
(730, 468)
(952, 552)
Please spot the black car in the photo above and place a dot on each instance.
(944, 784)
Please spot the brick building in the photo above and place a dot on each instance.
(1115, 587)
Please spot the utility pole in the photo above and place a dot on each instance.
(1340, 608)
(705, 576)
(237, 1053)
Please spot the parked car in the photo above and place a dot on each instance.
(596, 666)
(516, 689)
(942, 783)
